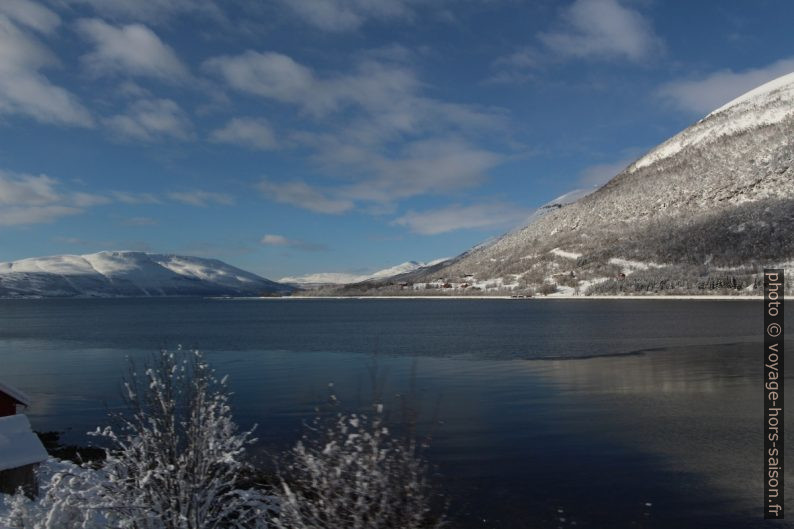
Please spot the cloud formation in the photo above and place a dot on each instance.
(153, 11)
(703, 94)
(345, 15)
(462, 217)
(247, 132)
(300, 194)
(133, 49)
(271, 239)
(32, 199)
(151, 120)
(603, 29)
(586, 30)
(30, 14)
(23, 88)
(599, 174)
(378, 135)
(201, 198)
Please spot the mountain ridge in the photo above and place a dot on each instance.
(702, 212)
(130, 274)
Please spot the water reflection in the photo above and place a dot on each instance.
(673, 420)
(697, 407)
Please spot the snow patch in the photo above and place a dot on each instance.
(634, 265)
(563, 253)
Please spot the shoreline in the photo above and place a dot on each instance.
(650, 297)
(293, 298)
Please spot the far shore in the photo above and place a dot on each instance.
(533, 298)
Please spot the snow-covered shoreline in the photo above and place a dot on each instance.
(534, 298)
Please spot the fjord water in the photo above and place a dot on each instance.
(543, 413)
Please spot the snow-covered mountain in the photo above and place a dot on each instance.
(124, 273)
(703, 211)
(338, 278)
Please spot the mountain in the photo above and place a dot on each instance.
(323, 279)
(130, 274)
(703, 212)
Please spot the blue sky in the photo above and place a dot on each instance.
(298, 136)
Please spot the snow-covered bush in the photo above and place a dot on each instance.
(351, 473)
(174, 461)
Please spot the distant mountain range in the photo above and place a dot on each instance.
(703, 212)
(130, 274)
(336, 278)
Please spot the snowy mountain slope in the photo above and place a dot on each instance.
(768, 104)
(717, 196)
(334, 278)
(124, 273)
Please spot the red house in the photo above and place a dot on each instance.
(21, 451)
(10, 398)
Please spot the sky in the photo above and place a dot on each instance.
(296, 136)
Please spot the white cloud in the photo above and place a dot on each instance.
(129, 50)
(23, 88)
(274, 240)
(140, 221)
(28, 190)
(30, 14)
(300, 194)
(254, 133)
(436, 166)
(706, 93)
(602, 29)
(430, 166)
(31, 199)
(460, 217)
(152, 119)
(272, 75)
(81, 199)
(343, 15)
(17, 216)
(150, 10)
(127, 197)
(587, 29)
(271, 239)
(201, 198)
(379, 134)
(598, 174)
(388, 93)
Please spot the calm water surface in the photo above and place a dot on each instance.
(555, 413)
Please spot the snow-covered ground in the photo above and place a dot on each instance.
(630, 266)
(127, 273)
(568, 255)
(45, 472)
(341, 278)
(769, 103)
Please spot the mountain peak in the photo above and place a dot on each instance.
(784, 83)
(129, 273)
(765, 105)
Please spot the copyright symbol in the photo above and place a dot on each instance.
(773, 330)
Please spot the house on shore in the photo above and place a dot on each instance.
(21, 450)
(11, 399)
